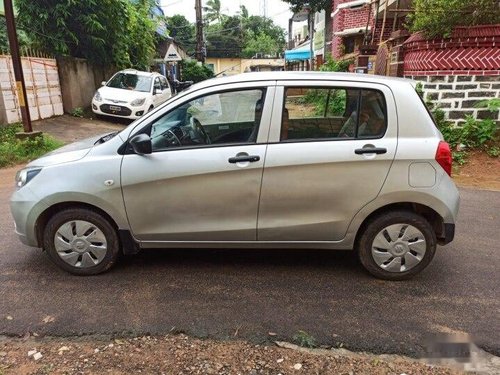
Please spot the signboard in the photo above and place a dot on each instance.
(172, 54)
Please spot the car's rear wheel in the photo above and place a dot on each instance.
(81, 241)
(397, 245)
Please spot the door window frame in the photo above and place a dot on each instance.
(279, 105)
(180, 100)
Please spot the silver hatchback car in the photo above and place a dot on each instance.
(268, 160)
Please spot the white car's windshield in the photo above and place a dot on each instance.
(128, 81)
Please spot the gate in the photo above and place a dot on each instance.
(42, 88)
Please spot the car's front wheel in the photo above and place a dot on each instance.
(397, 245)
(81, 241)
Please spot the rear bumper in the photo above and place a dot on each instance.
(448, 234)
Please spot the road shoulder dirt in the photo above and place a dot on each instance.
(180, 354)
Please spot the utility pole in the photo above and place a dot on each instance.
(200, 45)
(18, 67)
(311, 39)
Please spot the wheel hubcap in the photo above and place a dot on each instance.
(398, 247)
(80, 244)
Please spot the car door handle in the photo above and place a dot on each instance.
(242, 158)
(370, 150)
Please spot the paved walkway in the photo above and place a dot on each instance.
(69, 129)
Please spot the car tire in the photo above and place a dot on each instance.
(81, 241)
(396, 245)
(151, 107)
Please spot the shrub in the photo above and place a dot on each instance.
(77, 112)
(304, 339)
(193, 71)
(15, 151)
(474, 134)
(437, 18)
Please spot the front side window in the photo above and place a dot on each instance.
(332, 113)
(229, 117)
(157, 83)
(164, 84)
(129, 81)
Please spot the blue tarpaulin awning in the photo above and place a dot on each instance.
(302, 52)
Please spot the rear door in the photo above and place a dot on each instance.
(331, 146)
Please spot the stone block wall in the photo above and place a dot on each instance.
(458, 95)
(459, 71)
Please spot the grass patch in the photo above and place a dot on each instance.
(15, 151)
(304, 339)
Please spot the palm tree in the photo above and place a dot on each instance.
(243, 12)
(213, 11)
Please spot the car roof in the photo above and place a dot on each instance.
(301, 76)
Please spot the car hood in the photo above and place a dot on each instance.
(112, 94)
(71, 152)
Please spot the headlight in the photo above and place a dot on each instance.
(138, 102)
(26, 175)
(97, 96)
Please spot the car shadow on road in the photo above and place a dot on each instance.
(294, 259)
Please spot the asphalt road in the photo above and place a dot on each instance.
(247, 294)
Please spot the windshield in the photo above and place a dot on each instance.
(130, 81)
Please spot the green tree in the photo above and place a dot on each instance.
(194, 71)
(22, 38)
(182, 31)
(225, 39)
(315, 5)
(142, 35)
(213, 11)
(262, 25)
(106, 32)
(437, 18)
(260, 43)
(244, 12)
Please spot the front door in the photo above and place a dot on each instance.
(330, 150)
(202, 181)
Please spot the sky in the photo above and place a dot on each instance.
(276, 9)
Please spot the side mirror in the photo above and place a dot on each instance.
(141, 144)
(103, 83)
(157, 92)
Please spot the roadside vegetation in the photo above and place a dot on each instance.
(319, 98)
(472, 135)
(194, 71)
(110, 33)
(437, 18)
(15, 151)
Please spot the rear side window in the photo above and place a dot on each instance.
(333, 113)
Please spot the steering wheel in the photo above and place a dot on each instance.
(175, 140)
(198, 128)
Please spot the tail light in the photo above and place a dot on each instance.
(443, 156)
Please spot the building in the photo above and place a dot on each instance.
(235, 65)
(359, 26)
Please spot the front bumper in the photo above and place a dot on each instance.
(125, 110)
(26, 208)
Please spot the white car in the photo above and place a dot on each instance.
(130, 94)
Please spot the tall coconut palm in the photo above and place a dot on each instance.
(213, 11)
